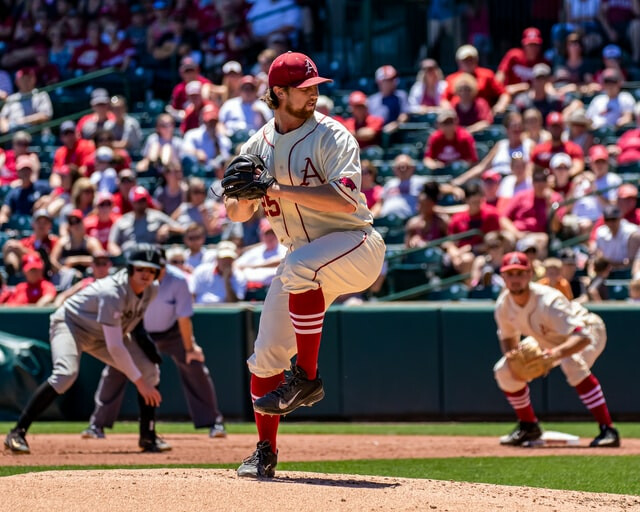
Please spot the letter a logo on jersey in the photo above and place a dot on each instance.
(309, 172)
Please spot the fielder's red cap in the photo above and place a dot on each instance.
(531, 35)
(515, 261)
(294, 69)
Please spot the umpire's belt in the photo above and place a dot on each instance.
(171, 329)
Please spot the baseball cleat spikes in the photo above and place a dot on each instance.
(261, 463)
(608, 438)
(16, 442)
(525, 432)
(296, 391)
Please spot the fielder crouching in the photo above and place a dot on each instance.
(570, 337)
(98, 320)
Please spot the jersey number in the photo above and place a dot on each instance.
(271, 207)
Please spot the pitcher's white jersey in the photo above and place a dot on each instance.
(549, 316)
(314, 154)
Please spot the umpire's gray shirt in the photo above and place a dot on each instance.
(108, 301)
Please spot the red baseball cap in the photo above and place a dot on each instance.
(515, 261)
(598, 152)
(138, 194)
(76, 213)
(554, 118)
(32, 260)
(627, 190)
(210, 112)
(357, 98)
(294, 69)
(248, 80)
(491, 175)
(531, 35)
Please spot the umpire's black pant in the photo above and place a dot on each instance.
(195, 377)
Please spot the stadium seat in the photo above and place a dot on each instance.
(454, 292)
(617, 290)
(401, 278)
(372, 153)
(490, 134)
(391, 228)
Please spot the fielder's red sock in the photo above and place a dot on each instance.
(592, 397)
(521, 403)
(267, 424)
(307, 315)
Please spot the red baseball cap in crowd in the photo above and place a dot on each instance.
(77, 213)
(210, 112)
(138, 194)
(554, 118)
(627, 190)
(598, 152)
(531, 35)
(515, 261)
(491, 175)
(293, 69)
(248, 80)
(32, 260)
(357, 98)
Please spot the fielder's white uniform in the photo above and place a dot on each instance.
(339, 252)
(550, 318)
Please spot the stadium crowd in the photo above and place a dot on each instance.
(541, 150)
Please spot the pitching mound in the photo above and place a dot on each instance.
(220, 490)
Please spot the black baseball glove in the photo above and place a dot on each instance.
(246, 178)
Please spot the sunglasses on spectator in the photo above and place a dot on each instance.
(126, 180)
(102, 263)
(195, 237)
(66, 132)
(198, 191)
(74, 221)
(165, 125)
(176, 262)
(610, 81)
(21, 143)
(105, 204)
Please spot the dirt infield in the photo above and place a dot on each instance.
(220, 490)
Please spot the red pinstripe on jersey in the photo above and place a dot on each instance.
(345, 195)
(364, 239)
(264, 136)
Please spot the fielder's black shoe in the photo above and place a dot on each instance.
(296, 391)
(261, 463)
(524, 432)
(153, 444)
(16, 442)
(608, 438)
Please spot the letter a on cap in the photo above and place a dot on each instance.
(515, 260)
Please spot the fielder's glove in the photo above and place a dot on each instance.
(529, 361)
(246, 178)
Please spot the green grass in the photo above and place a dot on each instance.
(613, 474)
(583, 429)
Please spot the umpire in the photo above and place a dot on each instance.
(168, 323)
(98, 320)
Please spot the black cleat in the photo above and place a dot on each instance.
(154, 444)
(16, 442)
(608, 438)
(525, 432)
(296, 391)
(261, 463)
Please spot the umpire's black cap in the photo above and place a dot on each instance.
(145, 255)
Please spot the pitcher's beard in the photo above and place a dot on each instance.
(301, 113)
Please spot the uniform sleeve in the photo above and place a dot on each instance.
(118, 351)
(184, 301)
(560, 317)
(110, 306)
(506, 329)
(342, 164)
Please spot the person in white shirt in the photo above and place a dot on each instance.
(612, 240)
(260, 263)
(614, 107)
(400, 194)
(517, 181)
(246, 111)
(195, 252)
(213, 283)
(205, 144)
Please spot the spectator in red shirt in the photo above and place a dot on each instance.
(490, 185)
(41, 241)
(449, 143)
(371, 190)
(121, 202)
(91, 123)
(20, 143)
(626, 202)
(73, 150)
(529, 210)
(189, 71)
(628, 146)
(46, 72)
(516, 67)
(98, 223)
(427, 225)
(119, 157)
(488, 87)
(116, 52)
(474, 113)
(366, 128)
(191, 118)
(35, 290)
(542, 153)
(88, 56)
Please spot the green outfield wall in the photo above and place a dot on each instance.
(379, 361)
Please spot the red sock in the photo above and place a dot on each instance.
(307, 315)
(267, 424)
(592, 397)
(521, 403)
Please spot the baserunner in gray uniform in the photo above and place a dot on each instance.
(168, 323)
(97, 320)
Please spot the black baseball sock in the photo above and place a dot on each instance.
(41, 399)
(147, 419)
